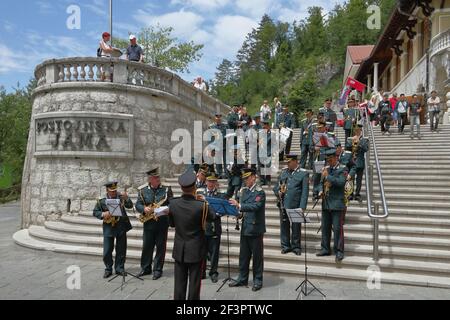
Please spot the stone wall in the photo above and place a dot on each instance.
(77, 173)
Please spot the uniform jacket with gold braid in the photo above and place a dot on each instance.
(148, 196)
(124, 224)
(189, 217)
(253, 208)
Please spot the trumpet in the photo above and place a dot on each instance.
(143, 218)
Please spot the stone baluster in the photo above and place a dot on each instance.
(83, 72)
(75, 72)
(99, 72)
(68, 73)
(61, 73)
(91, 72)
(107, 72)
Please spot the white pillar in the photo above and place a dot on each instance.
(375, 77)
(369, 83)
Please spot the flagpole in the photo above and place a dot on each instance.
(110, 20)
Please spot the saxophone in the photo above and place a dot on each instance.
(113, 221)
(355, 147)
(143, 218)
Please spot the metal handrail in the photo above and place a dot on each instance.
(373, 207)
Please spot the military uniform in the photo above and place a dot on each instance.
(329, 116)
(189, 217)
(322, 157)
(155, 232)
(253, 208)
(213, 236)
(117, 232)
(286, 120)
(351, 116)
(234, 178)
(254, 139)
(333, 207)
(296, 196)
(222, 128)
(307, 144)
(360, 164)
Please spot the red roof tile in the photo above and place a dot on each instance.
(359, 53)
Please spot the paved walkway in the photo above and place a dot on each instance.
(27, 274)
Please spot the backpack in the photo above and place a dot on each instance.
(99, 52)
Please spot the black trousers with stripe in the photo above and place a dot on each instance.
(184, 272)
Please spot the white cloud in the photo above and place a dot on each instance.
(186, 24)
(10, 60)
(229, 33)
(201, 5)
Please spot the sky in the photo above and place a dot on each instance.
(32, 31)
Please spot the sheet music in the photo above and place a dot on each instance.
(163, 211)
(296, 216)
(114, 208)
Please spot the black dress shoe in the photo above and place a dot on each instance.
(323, 254)
(157, 276)
(339, 257)
(358, 198)
(143, 274)
(107, 274)
(234, 284)
(285, 251)
(256, 288)
(215, 278)
(298, 252)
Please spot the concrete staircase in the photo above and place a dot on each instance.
(414, 240)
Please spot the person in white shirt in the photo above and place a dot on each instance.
(266, 112)
(200, 84)
(434, 108)
(106, 49)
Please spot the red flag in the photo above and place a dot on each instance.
(355, 84)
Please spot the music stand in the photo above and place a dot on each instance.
(297, 216)
(223, 208)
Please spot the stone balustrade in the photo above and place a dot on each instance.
(124, 72)
(440, 43)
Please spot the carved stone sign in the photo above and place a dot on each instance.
(84, 135)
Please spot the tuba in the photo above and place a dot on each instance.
(143, 218)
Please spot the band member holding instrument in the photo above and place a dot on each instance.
(234, 178)
(155, 228)
(201, 176)
(292, 192)
(360, 146)
(213, 229)
(221, 128)
(351, 116)
(189, 215)
(322, 142)
(286, 119)
(114, 228)
(329, 114)
(252, 205)
(306, 140)
(334, 177)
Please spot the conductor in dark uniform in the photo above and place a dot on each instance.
(213, 229)
(252, 205)
(114, 228)
(189, 216)
(156, 229)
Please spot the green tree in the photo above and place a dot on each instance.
(163, 50)
(15, 115)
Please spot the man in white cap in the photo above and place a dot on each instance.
(134, 51)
